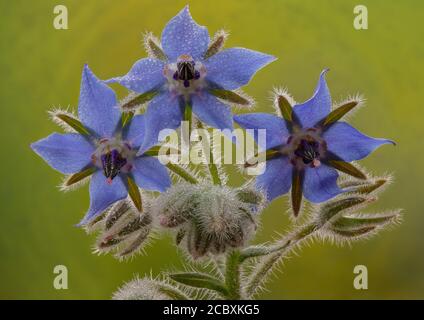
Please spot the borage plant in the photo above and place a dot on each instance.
(116, 146)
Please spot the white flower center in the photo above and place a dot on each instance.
(185, 76)
(305, 148)
(113, 156)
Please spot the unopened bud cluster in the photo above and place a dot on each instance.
(209, 218)
(341, 219)
(122, 230)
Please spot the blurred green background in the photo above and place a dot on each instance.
(41, 68)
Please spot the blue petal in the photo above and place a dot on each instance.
(103, 194)
(212, 111)
(163, 112)
(67, 153)
(320, 184)
(233, 68)
(136, 131)
(349, 144)
(145, 75)
(150, 174)
(317, 107)
(182, 35)
(97, 108)
(276, 130)
(277, 178)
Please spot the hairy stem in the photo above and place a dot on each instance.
(180, 171)
(273, 254)
(188, 116)
(213, 169)
(232, 275)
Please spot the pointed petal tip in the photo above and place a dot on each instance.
(86, 72)
(267, 59)
(392, 142)
(386, 141)
(183, 35)
(185, 13)
(86, 68)
(323, 74)
(236, 117)
(85, 220)
(33, 146)
(272, 58)
(80, 224)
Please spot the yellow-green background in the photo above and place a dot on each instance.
(41, 67)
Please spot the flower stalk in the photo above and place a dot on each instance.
(208, 151)
(272, 256)
(232, 275)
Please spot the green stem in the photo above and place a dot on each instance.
(182, 173)
(232, 275)
(188, 116)
(273, 255)
(213, 169)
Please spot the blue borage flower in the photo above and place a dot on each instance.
(106, 148)
(185, 70)
(306, 144)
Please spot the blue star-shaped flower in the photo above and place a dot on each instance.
(306, 146)
(108, 150)
(186, 74)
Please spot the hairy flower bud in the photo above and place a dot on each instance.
(124, 230)
(210, 218)
(148, 289)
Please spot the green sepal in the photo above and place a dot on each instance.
(182, 173)
(230, 96)
(77, 177)
(139, 100)
(332, 208)
(155, 151)
(338, 113)
(180, 236)
(155, 49)
(216, 44)
(73, 123)
(126, 118)
(364, 188)
(296, 191)
(265, 156)
(200, 280)
(359, 222)
(347, 168)
(134, 193)
(354, 232)
(285, 108)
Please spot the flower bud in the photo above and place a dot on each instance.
(210, 218)
(176, 205)
(124, 230)
(148, 289)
